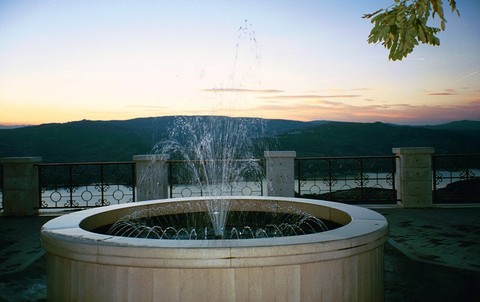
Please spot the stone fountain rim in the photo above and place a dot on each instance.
(64, 238)
(363, 222)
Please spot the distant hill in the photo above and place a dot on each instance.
(75, 141)
(2, 127)
(86, 141)
(466, 126)
(344, 139)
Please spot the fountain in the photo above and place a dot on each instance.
(344, 263)
(188, 249)
(277, 248)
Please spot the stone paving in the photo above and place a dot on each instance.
(442, 236)
(431, 255)
(22, 259)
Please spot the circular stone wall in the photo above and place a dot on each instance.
(342, 264)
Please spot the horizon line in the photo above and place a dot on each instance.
(9, 125)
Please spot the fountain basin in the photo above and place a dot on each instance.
(342, 264)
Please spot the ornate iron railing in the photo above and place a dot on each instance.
(84, 185)
(355, 180)
(182, 182)
(456, 178)
(1, 187)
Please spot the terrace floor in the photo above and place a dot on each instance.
(431, 255)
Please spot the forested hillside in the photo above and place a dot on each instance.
(338, 139)
(86, 141)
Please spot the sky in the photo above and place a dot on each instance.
(64, 61)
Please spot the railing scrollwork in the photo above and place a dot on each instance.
(455, 178)
(347, 179)
(84, 185)
(183, 181)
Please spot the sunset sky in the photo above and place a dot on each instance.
(64, 61)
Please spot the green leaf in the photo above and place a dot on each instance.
(421, 35)
(403, 25)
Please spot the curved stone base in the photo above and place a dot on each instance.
(344, 264)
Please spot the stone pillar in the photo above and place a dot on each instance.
(152, 176)
(414, 176)
(280, 173)
(21, 196)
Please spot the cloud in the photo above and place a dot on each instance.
(292, 97)
(239, 90)
(446, 92)
(440, 93)
(313, 96)
(399, 113)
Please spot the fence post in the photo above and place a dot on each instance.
(280, 173)
(414, 176)
(151, 176)
(20, 185)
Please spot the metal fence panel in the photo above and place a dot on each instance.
(84, 185)
(184, 183)
(353, 180)
(456, 178)
(1, 187)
